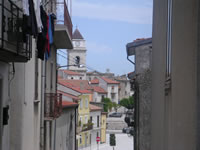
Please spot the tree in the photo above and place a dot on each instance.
(112, 140)
(116, 106)
(127, 102)
(107, 104)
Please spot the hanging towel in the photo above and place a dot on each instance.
(42, 40)
(32, 22)
(53, 18)
(47, 47)
(50, 31)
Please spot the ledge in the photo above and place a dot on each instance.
(62, 39)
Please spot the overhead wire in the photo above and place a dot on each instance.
(73, 60)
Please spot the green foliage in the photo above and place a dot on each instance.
(79, 123)
(107, 104)
(112, 140)
(127, 102)
(115, 106)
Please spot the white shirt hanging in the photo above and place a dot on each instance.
(37, 13)
(25, 5)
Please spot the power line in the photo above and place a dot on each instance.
(74, 61)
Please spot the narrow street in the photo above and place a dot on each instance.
(123, 142)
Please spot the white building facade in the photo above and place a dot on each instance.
(95, 118)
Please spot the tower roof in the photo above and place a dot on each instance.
(77, 34)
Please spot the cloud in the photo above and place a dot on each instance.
(98, 48)
(114, 12)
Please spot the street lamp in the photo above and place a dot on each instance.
(79, 66)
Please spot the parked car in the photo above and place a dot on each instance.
(128, 130)
(129, 118)
(124, 130)
(116, 114)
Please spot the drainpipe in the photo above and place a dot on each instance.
(55, 135)
(75, 127)
(43, 82)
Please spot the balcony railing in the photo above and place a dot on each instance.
(52, 106)
(12, 46)
(67, 19)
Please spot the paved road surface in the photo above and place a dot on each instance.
(123, 142)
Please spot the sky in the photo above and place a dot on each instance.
(107, 26)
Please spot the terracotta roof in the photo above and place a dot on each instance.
(95, 108)
(69, 104)
(94, 81)
(71, 86)
(109, 81)
(77, 35)
(99, 90)
(69, 72)
(82, 84)
(59, 77)
(69, 95)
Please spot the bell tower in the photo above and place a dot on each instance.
(77, 55)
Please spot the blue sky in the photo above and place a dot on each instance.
(107, 26)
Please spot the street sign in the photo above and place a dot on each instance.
(97, 139)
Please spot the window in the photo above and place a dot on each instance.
(91, 118)
(81, 104)
(51, 76)
(36, 76)
(125, 92)
(112, 95)
(86, 119)
(80, 121)
(169, 40)
(80, 78)
(113, 87)
(86, 103)
(80, 139)
(72, 78)
(77, 60)
(97, 121)
(97, 134)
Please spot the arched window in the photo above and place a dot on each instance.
(77, 60)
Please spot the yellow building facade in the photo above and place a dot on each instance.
(103, 127)
(83, 117)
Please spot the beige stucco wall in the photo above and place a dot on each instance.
(65, 130)
(4, 100)
(24, 113)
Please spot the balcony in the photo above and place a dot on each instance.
(12, 46)
(52, 106)
(84, 127)
(63, 28)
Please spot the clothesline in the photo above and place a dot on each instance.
(40, 25)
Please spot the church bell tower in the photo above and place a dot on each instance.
(77, 55)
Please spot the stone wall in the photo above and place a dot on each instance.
(144, 82)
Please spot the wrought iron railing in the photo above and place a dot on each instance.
(67, 19)
(12, 45)
(52, 105)
(64, 18)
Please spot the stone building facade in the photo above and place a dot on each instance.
(142, 49)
